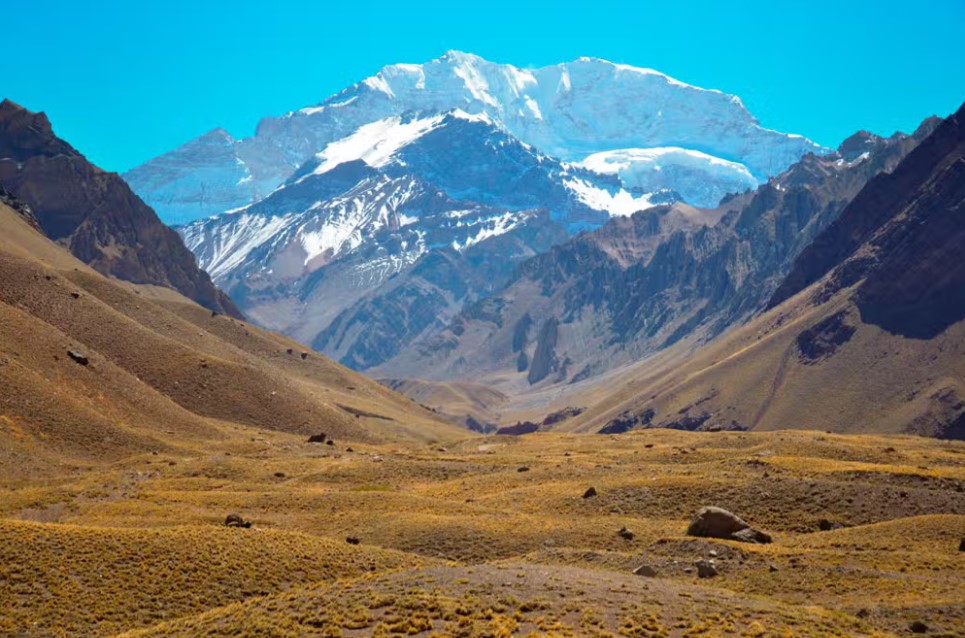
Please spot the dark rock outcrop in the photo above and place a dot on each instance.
(561, 415)
(94, 213)
(9, 199)
(901, 237)
(824, 338)
(524, 427)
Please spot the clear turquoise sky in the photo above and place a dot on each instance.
(125, 81)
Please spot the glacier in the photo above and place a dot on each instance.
(569, 111)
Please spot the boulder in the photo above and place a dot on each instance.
(645, 570)
(715, 522)
(78, 357)
(352, 540)
(705, 568)
(589, 493)
(625, 534)
(317, 438)
(827, 525)
(235, 520)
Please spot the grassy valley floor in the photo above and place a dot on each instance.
(491, 536)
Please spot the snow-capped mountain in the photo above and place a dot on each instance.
(570, 111)
(365, 223)
(370, 206)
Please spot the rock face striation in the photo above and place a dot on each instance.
(364, 224)
(94, 213)
(902, 238)
(641, 283)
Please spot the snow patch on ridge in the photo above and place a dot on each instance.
(619, 204)
(375, 143)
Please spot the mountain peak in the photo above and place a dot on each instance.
(555, 109)
(460, 56)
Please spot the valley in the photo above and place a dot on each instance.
(460, 541)
(468, 349)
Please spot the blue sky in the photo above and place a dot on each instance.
(125, 81)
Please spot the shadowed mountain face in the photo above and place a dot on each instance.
(903, 235)
(94, 213)
(640, 284)
(864, 335)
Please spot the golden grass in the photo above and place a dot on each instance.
(97, 581)
(897, 559)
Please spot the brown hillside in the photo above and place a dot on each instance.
(160, 371)
(875, 343)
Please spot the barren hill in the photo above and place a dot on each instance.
(94, 368)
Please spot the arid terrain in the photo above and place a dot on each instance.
(133, 422)
(492, 536)
(515, 396)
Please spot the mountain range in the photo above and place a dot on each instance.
(363, 225)
(642, 283)
(864, 333)
(653, 124)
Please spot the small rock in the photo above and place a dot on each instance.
(318, 438)
(289, 351)
(589, 493)
(771, 568)
(352, 540)
(279, 475)
(645, 570)
(862, 613)
(78, 357)
(348, 449)
(522, 469)
(688, 570)
(75, 295)
(625, 534)
(706, 568)
(826, 525)
(918, 627)
(330, 442)
(712, 553)
(961, 545)
(304, 356)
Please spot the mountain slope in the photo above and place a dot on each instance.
(635, 286)
(705, 136)
(97, 369)
(873, 344)
(93, 212)
(342, 254)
